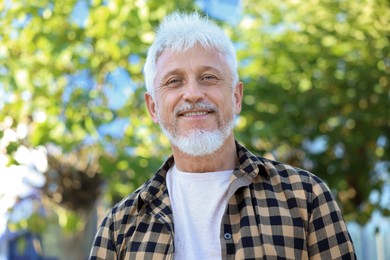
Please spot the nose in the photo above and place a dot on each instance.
(193, 92)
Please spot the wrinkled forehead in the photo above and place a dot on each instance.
(197, 56)
(196, 47)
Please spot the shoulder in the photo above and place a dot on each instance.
(294, 182)
(294, 187)
(278, 176)
(110, 232)
(125, 210)
(285, 174)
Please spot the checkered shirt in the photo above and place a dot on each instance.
(274, 211)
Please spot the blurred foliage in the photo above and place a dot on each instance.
(315, 72)
(57, 59)
(317, 77)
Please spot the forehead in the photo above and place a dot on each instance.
(193, 58)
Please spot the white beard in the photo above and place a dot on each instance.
(200, 142)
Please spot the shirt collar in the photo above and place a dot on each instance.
(250, 166)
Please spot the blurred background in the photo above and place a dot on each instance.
(75, 136)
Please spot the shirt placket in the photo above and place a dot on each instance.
(228, 246)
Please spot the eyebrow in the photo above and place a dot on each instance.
(180, 71)
(172, 72)
(205, 68)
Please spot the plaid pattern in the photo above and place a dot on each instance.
(275, 211)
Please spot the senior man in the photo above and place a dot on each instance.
(212, 198)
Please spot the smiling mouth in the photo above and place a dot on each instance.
(195, 109)
(196, 113)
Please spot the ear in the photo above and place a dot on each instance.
(151, 105)
(238, 93)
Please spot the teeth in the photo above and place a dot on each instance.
(201, 113)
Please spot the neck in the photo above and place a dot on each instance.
(225, 158)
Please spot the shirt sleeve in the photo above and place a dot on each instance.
(103, 246)
(328, 236)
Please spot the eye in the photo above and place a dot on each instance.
(174, 82)
(209, 77)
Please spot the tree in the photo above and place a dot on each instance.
(318, 93)
(59, 62)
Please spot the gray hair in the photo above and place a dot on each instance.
(180, 32)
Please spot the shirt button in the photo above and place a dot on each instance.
(227, 236)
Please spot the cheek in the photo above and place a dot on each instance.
(164, 110)
(227, 101)
(168, 102)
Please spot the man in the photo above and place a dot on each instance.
(214, 199)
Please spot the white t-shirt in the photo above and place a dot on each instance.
(198, 203)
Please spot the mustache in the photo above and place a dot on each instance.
(201, 105)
